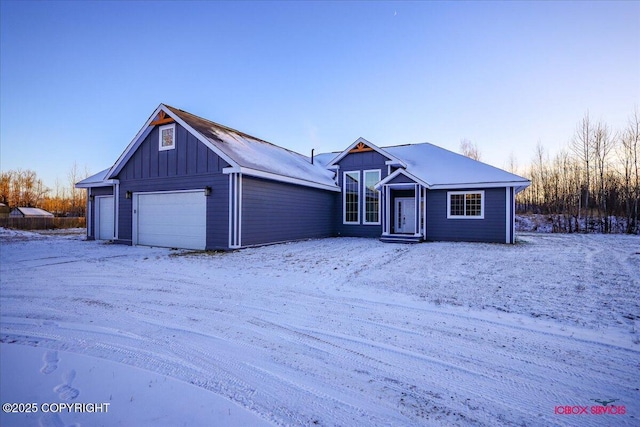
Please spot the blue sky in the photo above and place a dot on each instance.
(79, 79)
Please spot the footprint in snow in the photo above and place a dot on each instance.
(53, 420)
(50, 360)
(65, 390)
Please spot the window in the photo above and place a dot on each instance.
(351, 197)
(167, 139)
(371, 197)
(465, 205)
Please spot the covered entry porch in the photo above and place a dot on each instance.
(403, 206)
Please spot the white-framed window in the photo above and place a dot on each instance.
(351, 197)
(465, 205)
(167, 137)
(371, 199)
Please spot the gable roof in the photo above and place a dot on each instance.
(96, 180)
(30, 212)
(361, 142)
(444, 169)
(246, 154)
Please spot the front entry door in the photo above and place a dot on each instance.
(405, 215)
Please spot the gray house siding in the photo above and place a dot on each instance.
(191, 165)
(401, 179)
(490, 229)
(369, 160)
(275, 212)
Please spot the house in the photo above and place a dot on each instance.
(187, 182)
(30, 213)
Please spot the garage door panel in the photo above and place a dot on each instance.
(172, 220)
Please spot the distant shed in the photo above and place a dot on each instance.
(30, 213)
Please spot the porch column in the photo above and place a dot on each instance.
(418, 211)
(384, 193)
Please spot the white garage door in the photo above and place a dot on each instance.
(104, 216)
(172, 220)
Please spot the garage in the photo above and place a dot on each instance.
(104, 218)
(170, 219)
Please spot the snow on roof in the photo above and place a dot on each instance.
(99, 178)
(323, 159)
(30, 212)
(256, 154)
(442, 168)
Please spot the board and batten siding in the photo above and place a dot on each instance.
(491, 229)
(401, 179)
(275, 212)
(96, 191)
(368, 160)
(190, 166)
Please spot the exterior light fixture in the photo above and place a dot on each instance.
(128, 195)
(207, 191)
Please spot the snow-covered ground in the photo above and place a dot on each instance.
(323, 332)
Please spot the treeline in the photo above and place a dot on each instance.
(23, 188)
(591, 185)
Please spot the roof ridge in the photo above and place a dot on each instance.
(239, 132)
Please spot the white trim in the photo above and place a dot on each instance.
(423, 192)
(105, 183)
(344, 199)
(134, 219)
(162, 128)
(230, 234)
(416, 208)
(402, 186)
(235, 210)
(507, 215)
(364, 196)
(88, 215)
(116, 208)
(281, 178)
(513, 222)
(240, 210)
(478, 185)
(450, 193)
(409, 175)
(394, 160)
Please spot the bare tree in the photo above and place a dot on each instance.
(512, 163)
(582, 147)
(470, 149)
(5, 187)
(22, 188)
(77, 202)
(628, 154)
(602, 145)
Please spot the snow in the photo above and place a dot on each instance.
(94, 180)
(30, 212)
(256, 154)
(338, 331)
(441, 168)
(112, 393)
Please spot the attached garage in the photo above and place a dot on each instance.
(170, 219)
(104, 218)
